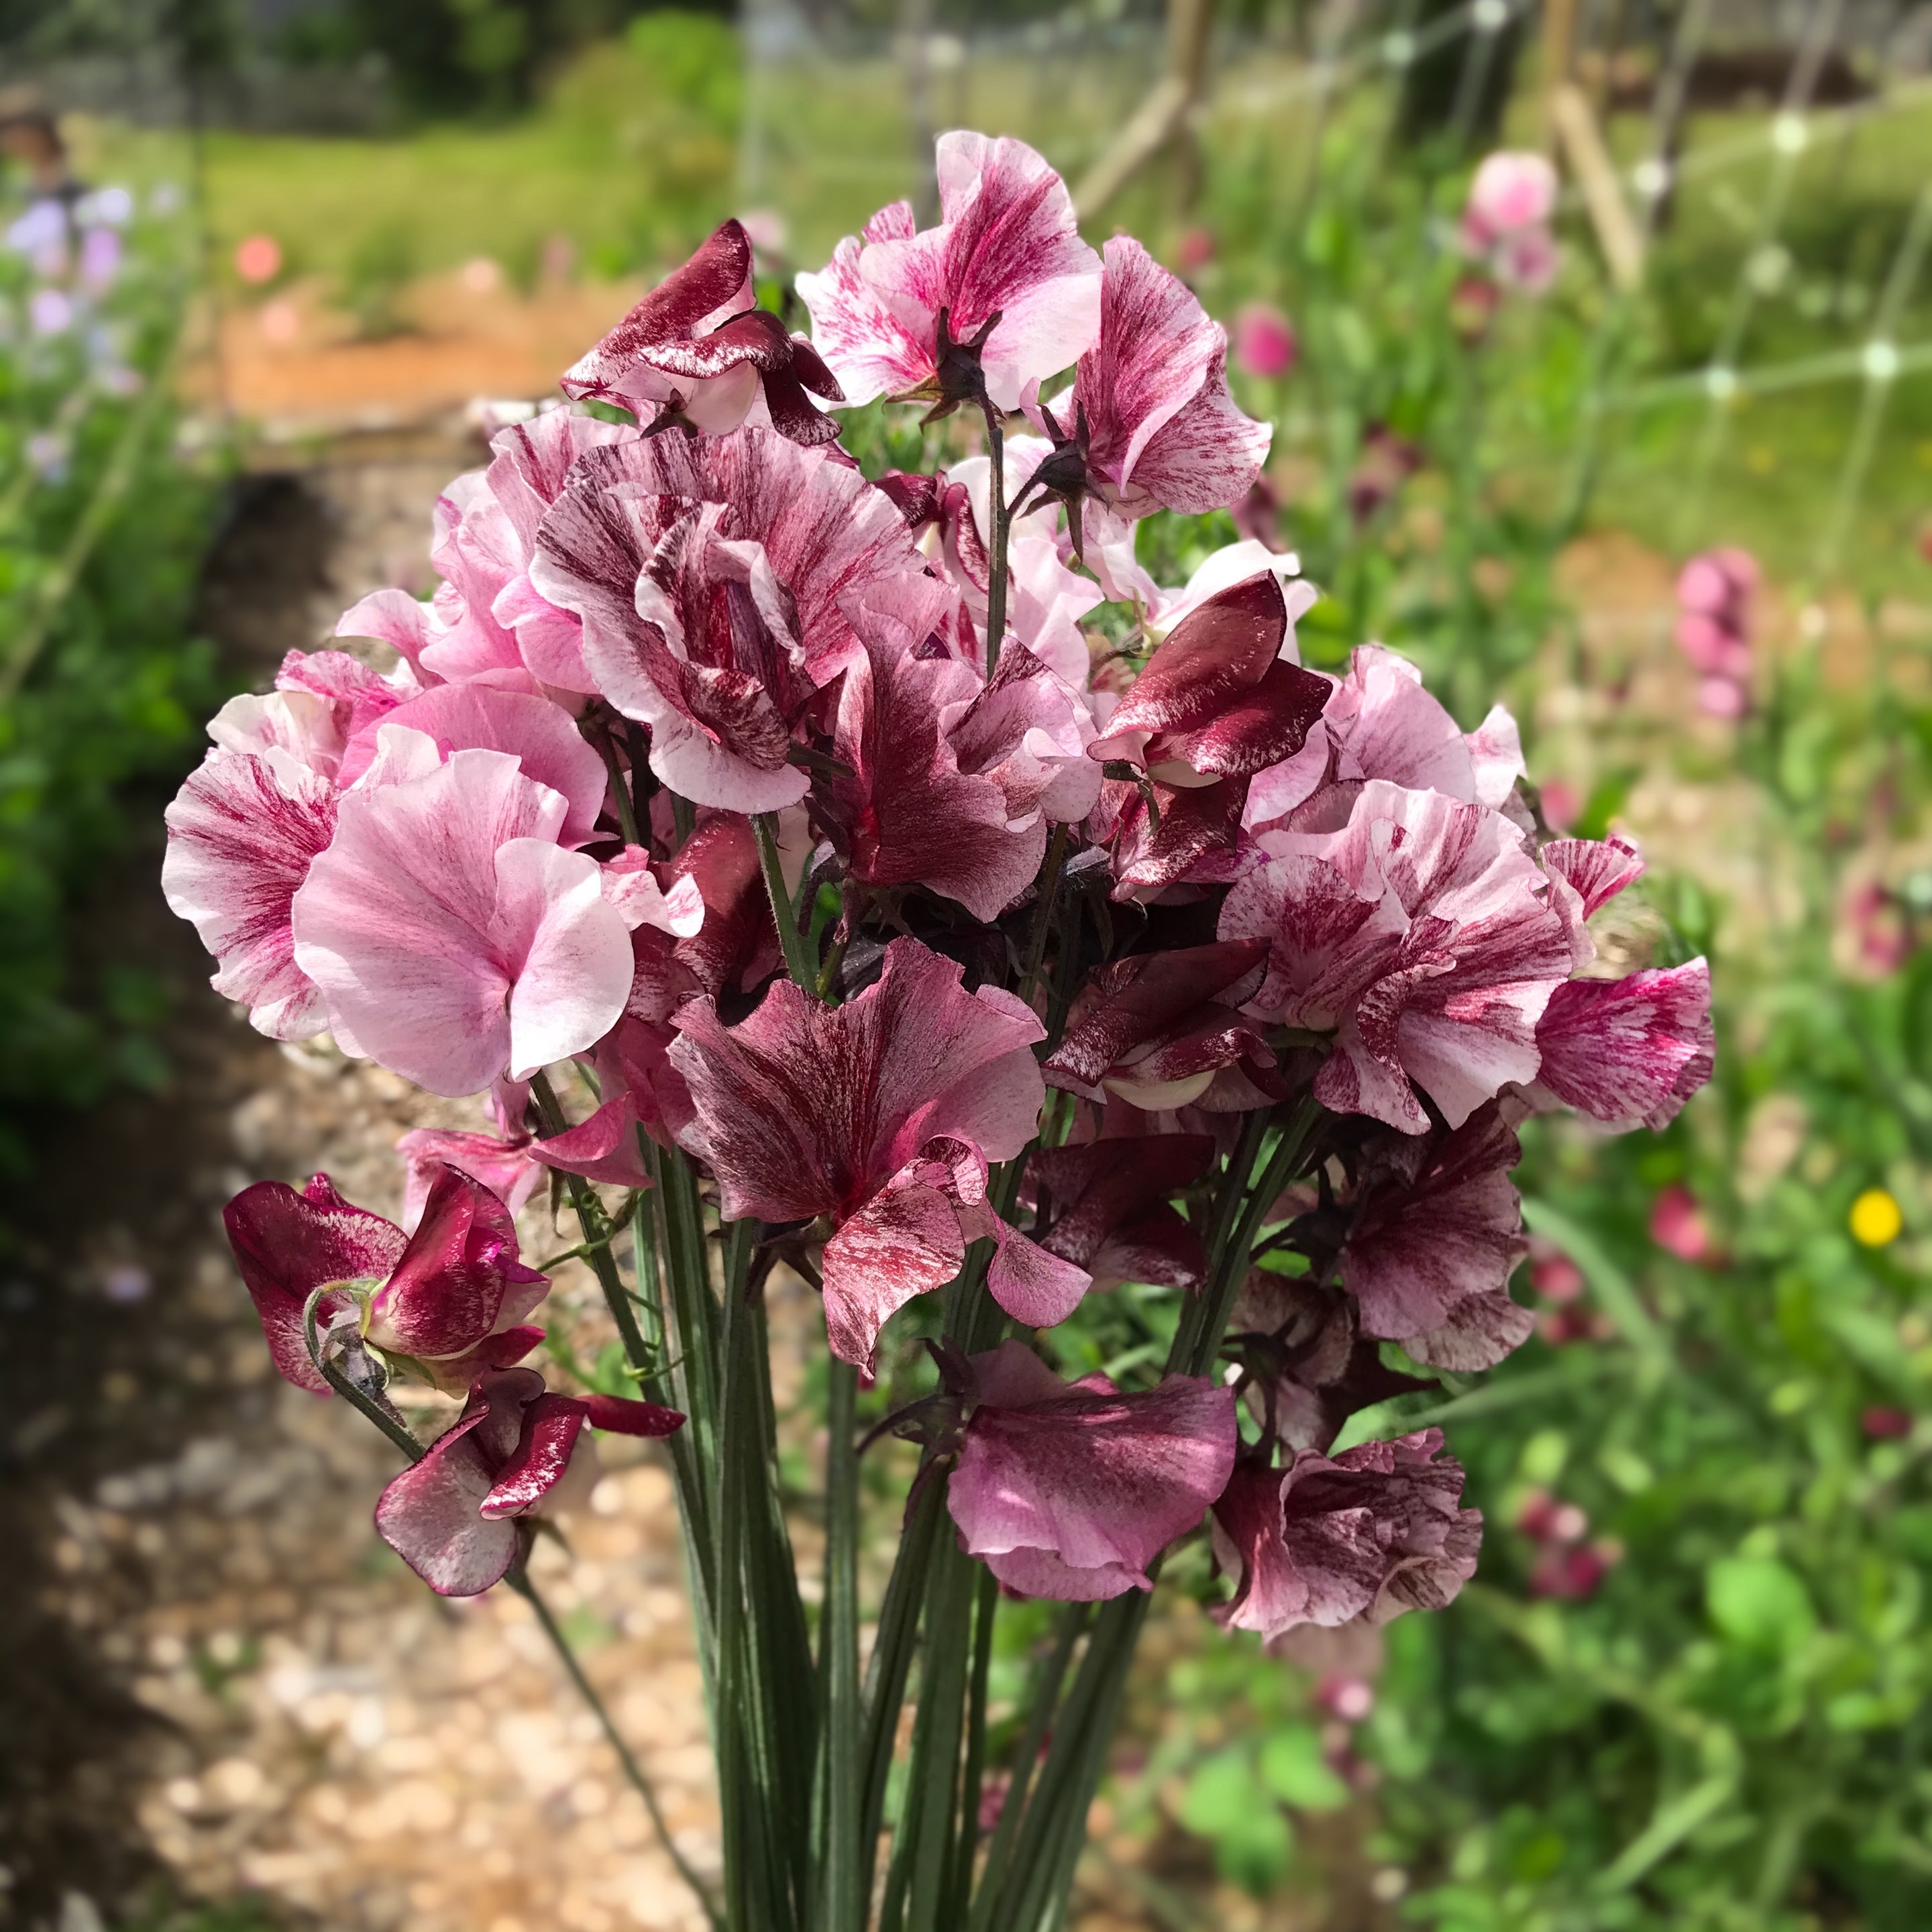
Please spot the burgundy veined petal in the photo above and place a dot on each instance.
(529, 461)
(551, 1426)
(713, 277)
(242, 835)
(904, 1242)
(1259, 727)
(871, 351)
(603, 1147)
(756, 336)
(806, 1109)
(1597, 869)
(907, 813)
(1629, 1052)
(622, 1416)
(449, 1287)
(1373, 1532)
(1436, 1226)
(1478, 1332)
(1198, 825)
(1212, 657)
(1209, 455)
(1073, 1489)
(430, 1514)
(828, 533)
(1155, 347)
(288, 1244)
(1146, 994)
(1329, 939)
(791, 410)
(1106, 1190)
(809, 370)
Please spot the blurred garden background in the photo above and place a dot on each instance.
(268, 267)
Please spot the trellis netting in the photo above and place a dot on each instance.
(1762, 158)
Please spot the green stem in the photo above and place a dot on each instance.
(356, 1398)
(996, 580)
(891, 1660)
(1042, 912)
(791, 942)
(627, 816)
(841, 1898)
(519, 1581)
(959, 1884)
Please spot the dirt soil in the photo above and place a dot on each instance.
(217, 1681)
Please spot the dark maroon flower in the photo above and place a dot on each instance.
(1107, 1211)
(451, 1297)
(696, 353)
(1437, 1234)
(517, 1449)
(1071, 1489)
(1376, 1531)
(1161, 1030)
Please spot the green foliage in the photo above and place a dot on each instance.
(101, 534)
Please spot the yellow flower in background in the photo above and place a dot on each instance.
(1875, 1219)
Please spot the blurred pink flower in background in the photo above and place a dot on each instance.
(1561, 805)
(1677, 1224)
(50, 311)
(1194, 250)
(1874, 922)
(1506, 220)
(1555, 1277)
(1714, 592)
(258, 259)
(1884, 1425)
(1265, 344)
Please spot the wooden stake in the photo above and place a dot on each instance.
(1618, 234)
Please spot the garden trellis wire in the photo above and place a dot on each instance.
(1353, 57)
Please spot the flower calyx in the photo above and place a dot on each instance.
(1062, 476)
(957, 377)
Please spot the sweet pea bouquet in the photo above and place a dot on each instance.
(888, 880)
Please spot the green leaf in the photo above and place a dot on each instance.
(1223, 1803)
(1755, 1601)
(1293, 1767)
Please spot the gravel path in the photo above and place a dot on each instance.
(219, 1682)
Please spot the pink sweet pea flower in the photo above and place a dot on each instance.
(1437, 1232)
(1105, 1202)
(714, 578)
(1371, 1534)
(881, 1115)
(452, 1297)
(1584, 874)
(1380, 722)
(1003, 293)
(452, 937)
(1506, 220)
(1150, 423)
(907, 813)
(1265, 344)
(698, 353)
(487, 620)
(1715, 591)
(1420, 936)
(505, 1167)
(517, 1450)
(242, 835)
(1070, 1490)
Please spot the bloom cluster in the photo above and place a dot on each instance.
(1505, 223)
(953, 929)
